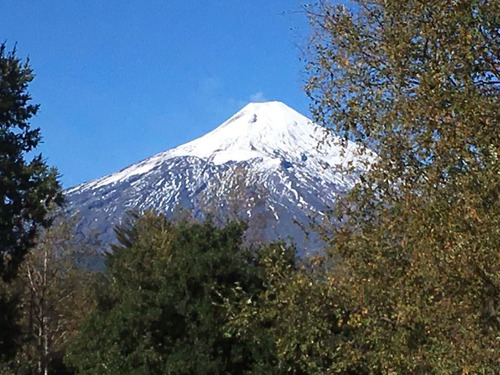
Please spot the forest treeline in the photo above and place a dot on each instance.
(408, 282)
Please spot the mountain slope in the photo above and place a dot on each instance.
(267, 163)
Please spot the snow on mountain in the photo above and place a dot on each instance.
(268, 162)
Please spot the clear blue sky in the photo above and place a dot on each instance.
(119, 81)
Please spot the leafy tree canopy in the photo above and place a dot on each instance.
(52, 286)
(418, 82)
(160, 308)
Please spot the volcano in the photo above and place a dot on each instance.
(267, 164)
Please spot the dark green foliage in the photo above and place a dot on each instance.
(8, 316)
(161, 305)
(27, 188)
(188, 298)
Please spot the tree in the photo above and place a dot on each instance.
(296, 322)
(27, 188)
(161, 306)
(53, 289)
(418, 82)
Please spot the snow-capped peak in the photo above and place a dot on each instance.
(257, 130)
(271, 132)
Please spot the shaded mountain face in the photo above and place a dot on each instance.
(268, 164)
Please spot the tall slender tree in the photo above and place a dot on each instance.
(54, 290)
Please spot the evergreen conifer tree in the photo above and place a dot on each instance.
(27, 188)
(161, 306)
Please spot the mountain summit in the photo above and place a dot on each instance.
(259, 130)
(267, 163)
